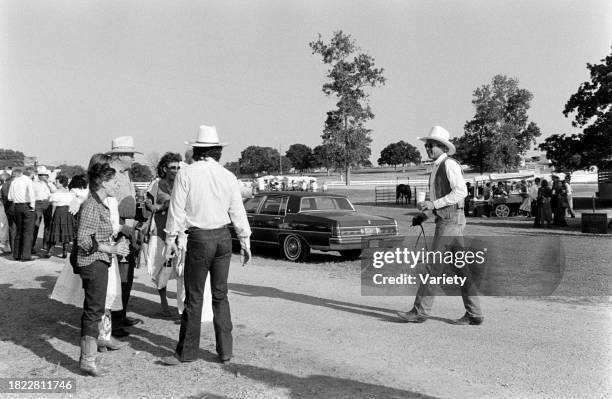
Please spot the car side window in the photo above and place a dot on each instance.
(251, 205)
(271, 206)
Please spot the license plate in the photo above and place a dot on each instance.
(373, 243)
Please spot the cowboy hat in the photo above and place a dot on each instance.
(441, 135)
(207, 137)
(123, 145)
(42, 170)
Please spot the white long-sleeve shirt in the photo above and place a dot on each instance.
(22, 191)
(455, 178)
(207, 196)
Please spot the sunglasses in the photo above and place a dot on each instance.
(174, 167)
(430, 145)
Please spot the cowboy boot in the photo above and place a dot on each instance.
(87, 362)
(105, 339)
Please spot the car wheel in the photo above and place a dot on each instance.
(502, 211)
(295, 249)
(351, 254)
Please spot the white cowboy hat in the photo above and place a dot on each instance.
(441, 135)
(42, 170)
(207, 137)
(123, 145)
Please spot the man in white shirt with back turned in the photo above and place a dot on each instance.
(205, 199)
(21, 193)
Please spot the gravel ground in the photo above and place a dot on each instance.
(305, 331)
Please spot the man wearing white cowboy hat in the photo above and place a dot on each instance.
(447, 191)
(42, 191)
(122, 158)
(205, 199)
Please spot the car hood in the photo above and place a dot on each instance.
(347, 219)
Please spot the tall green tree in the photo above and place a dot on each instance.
(500, 131)
(350, 74)
(300, 156)
(400, 153)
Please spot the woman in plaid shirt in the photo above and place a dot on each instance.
(95, 248)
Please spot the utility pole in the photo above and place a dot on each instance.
(280, 159)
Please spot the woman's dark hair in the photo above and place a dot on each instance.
(99, 158)
(78, 181)
(166, 160)
(544, 183)
(99, 173)
(62, 180)
(199, 153)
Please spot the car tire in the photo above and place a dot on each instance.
(295, 249)
(350, 254)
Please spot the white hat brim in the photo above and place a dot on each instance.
(123, 152)
(198, 144)
(448, 144)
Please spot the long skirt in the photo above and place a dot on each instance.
(62, 226)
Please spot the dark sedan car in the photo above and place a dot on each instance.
(299, 221)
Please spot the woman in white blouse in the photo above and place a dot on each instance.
(62, 224)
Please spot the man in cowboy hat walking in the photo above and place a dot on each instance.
(205, 198)
(42, 191)
(122, 158)
(447, 191)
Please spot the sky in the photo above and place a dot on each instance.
(75, 74)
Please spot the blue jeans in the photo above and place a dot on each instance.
(94, 278)
(207, 251)
(449, 233)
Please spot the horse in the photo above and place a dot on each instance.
(403, 193)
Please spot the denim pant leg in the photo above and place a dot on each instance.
(200, 253)
(449, 231)
(95, 280)
(222, 319)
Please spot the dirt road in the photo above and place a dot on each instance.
(304, 331)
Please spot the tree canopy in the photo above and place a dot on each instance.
(71, 170)
(350, 73)
(400, 153)
(500, 131)
(255, 159)
(300, 156)
(10, 158)
(592, 109)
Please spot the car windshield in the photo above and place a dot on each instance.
(325, 204)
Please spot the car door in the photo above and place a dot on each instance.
(270, 217)
(251, 206)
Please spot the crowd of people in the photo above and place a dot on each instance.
(28, 199)
(111, 233)
(549, 203)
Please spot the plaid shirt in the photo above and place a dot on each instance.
(94, 221)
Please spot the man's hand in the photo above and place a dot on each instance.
(245, 250)
(171, 249)
(426, 206)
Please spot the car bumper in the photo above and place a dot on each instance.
(362, 242)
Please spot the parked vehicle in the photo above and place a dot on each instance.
(298, 221)
(497, 205)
